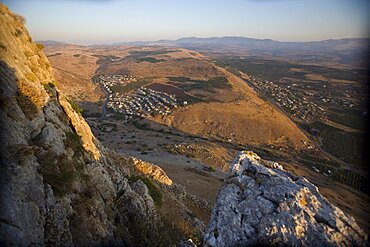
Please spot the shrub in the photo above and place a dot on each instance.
(73, 140)
(75, 107)
(48, 85)
(2, 46)
(21, 19)
(29, 98)
(50, 88)
(58, 172)
(154, 192)
(40, 46)
(28, 53)
(196, 238)
(18, 32)
(190, 155)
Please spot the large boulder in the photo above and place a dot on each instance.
(261, 204)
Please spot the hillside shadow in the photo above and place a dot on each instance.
(8, 83)
(11, 95)
(25, 95)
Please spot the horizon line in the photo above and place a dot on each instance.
(193, 37)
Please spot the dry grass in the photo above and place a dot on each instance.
(31, 77)
(29, 98)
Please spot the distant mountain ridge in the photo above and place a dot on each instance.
(251, 42)
(229, 40)
(52, 42)
(352, 52)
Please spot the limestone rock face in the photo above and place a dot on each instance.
(266, 205)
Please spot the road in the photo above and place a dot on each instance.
(104, 106)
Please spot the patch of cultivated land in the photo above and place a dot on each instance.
(329, 102)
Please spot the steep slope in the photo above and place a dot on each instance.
(58, 185)
(260, 203)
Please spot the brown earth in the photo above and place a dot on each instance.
(74, 72)
(184, 66)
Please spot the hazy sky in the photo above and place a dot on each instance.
(107, 21)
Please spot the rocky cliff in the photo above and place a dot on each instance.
(58, 185)
(261, 204)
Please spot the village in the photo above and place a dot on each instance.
(288, 99)
(140, 103)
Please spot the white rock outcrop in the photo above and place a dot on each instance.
(153, 171)
(261, 205)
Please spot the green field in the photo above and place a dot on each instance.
(187, 84)
(148, 59)
(138, 54)
(124, 89)
(274, 70)
(357, 123)
(348, 146)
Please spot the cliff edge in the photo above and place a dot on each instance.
(261, 204)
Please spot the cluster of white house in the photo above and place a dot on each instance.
(107, 81)
(287, 98)
(143, 102)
